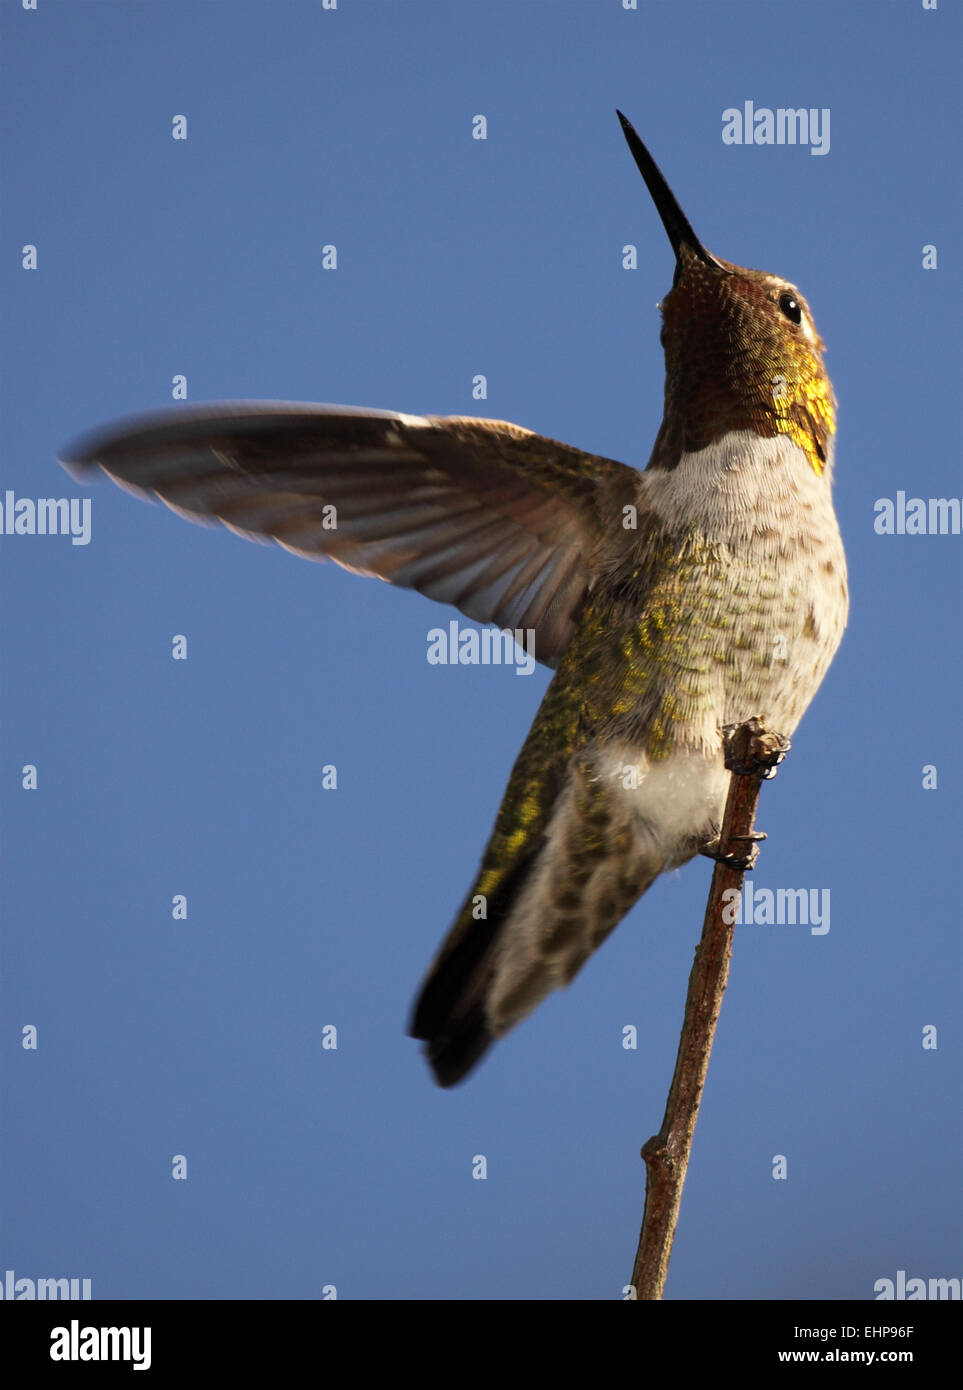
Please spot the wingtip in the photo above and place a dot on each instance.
(79, 454)
(164, 425)
(77, 468)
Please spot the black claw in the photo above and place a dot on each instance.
(739, 862)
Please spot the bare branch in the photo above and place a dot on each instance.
(752, 755)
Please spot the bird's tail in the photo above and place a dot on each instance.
(450, 1013)
(552, 886)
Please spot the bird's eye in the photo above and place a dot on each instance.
(790, 308)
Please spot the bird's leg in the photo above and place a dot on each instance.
(750, 751)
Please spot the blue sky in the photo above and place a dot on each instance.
(309, 1168)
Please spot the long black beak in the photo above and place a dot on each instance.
(674, 220)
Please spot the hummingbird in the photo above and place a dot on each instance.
(671, 602)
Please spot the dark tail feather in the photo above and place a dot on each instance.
(449, 1014)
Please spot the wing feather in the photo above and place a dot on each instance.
(505, 524)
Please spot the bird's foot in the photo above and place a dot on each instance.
(740, 862)
(751, 750)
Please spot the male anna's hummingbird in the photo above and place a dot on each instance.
(708, 589)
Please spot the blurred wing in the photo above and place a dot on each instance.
(500, 522)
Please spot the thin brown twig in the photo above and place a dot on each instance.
(751, 754)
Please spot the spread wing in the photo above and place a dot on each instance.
(504, 524)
